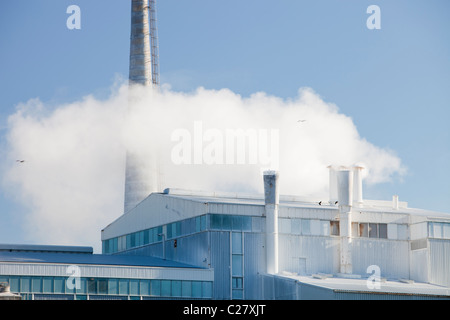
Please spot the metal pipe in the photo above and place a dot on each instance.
(271, 199)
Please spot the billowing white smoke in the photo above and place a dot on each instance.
(72, 180)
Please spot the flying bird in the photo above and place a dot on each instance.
(320, 203)
(301, 120)
(21, 161)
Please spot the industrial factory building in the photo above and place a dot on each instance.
(182, 244)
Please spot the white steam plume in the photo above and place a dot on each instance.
(72, 180)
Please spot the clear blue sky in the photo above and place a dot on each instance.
(394, 82)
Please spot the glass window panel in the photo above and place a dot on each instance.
(156, 287)
(47, 285)
(59, 285)
(134, 287)
(36, 285)
(123, 286)
(105, 246)
(83, 284)
(102, 286)
(246, 223)
(236, 242)
(437, 230)
(112, 286)
(334, 228)
(14, 284)
(296, 226)
(178, 229)
(92, 286)
(203, 223)
(325, 228)
(216, 221)
(237, 283)
(144, 287)
(446, 231)
(237, 222)
(165, 288)
(159, 232)
(226, 222)
(81, 297)
(128, 241)
(382, 231)
(236, 265)
(285, 225)
(197, 224)
(306, 230)
(25, 285)
(146, 237)
(402, 232)
(196, 289)
(373, 230)
(115, 244)
(256, 224)
(176, 288)
(364, 230)
(206, 289)
(186, 288)
(315, 227)
(169, 231)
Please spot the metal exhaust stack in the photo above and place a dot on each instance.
(345, 194)
(141, 173)
(357, 186)
(271, 199)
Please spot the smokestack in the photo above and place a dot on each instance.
(345, 194)
(395, 202)
(271, 199)
(357, 186)
(141, 176)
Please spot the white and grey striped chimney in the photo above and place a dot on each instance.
(141, 176)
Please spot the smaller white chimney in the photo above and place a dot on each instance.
(357, 186)
(345, 194)
(271, 200)
(395, 202)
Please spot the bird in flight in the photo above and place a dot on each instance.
(301, 120)
(21, 161)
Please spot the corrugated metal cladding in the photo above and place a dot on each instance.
(343, 295)
(439, 262)
(254, 264)
(220, 261)
(95, 271)
(308, 254)
(391, 256)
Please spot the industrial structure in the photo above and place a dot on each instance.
(183, 244)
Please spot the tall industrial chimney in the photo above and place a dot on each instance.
(345, 194)
(271, 199)
(141, 177)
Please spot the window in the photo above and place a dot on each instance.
(236, 265)
(123, 287)
(236, 243)
(25, 285)
(59, 285)
(155, 288)
(165, 288)
(334, 228)
(36, 285)
(364, 230)
(92, 286)
(382, 231)
(144, 287)
(186, 288)
(47, 284)
(196, 289)
(176, 288)
(206, 289)
(102, 286)
(373, 230)
(306, 230)
(112, 286)
(134, 287)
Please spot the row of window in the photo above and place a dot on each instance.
(439, 230)
(252, 224)
(108, 286)
(154, 235)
